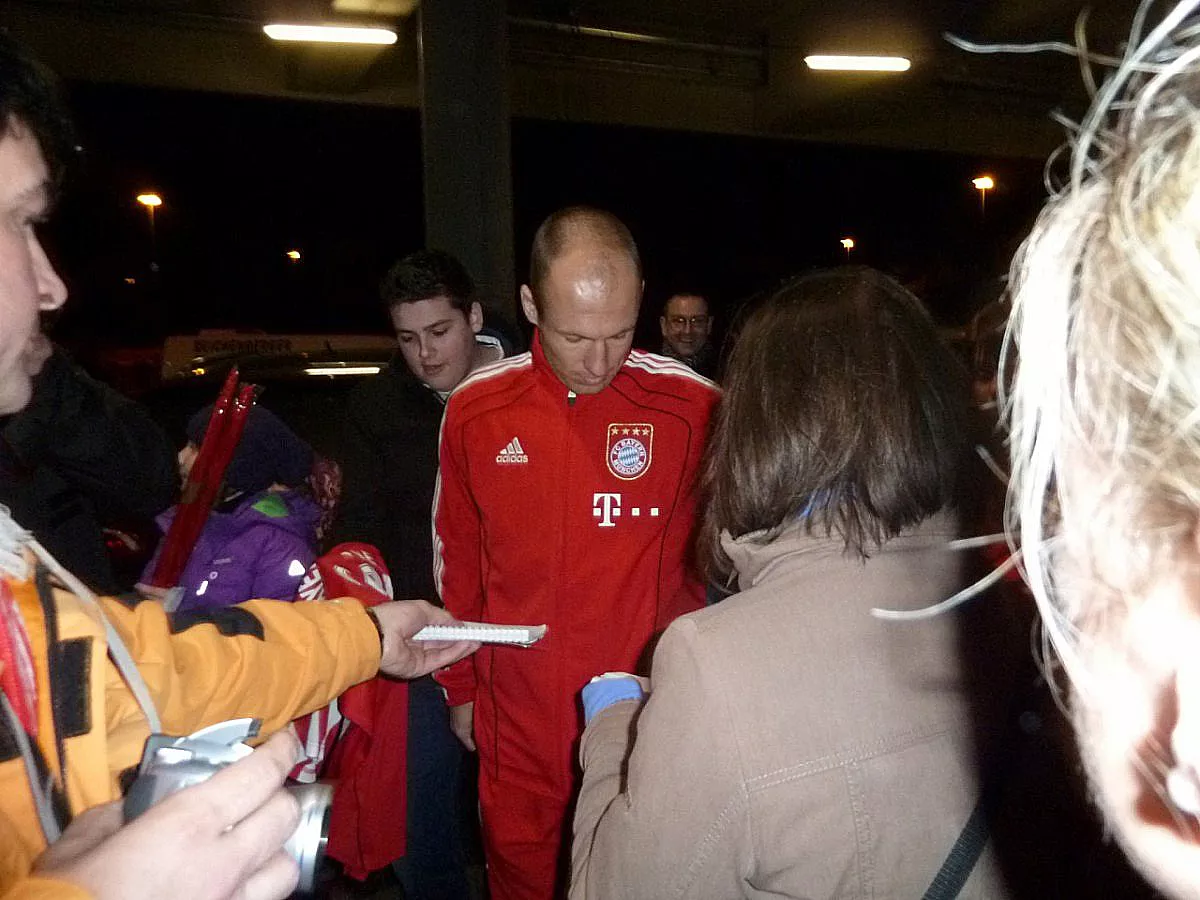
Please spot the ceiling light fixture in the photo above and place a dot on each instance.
(857, 63)
(330, 34)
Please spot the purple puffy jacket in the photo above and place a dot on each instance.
(260, 549)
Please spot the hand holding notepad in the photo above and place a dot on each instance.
(484, 632)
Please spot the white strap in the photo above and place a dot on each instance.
(42, 789)
(12, 544)
(13, 563)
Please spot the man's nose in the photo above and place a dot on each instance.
(52, 292)
(595, 360)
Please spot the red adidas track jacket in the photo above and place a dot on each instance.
(573, 511)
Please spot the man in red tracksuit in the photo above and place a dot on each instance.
(567, 497)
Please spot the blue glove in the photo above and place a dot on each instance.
(605, 690)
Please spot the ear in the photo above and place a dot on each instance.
(662, 325)
(475, 317)
(528, 306)
(1183, 784)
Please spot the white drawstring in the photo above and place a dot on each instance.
(928, 612)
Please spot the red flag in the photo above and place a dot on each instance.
(221, 437)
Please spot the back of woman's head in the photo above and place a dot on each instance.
(841, 406)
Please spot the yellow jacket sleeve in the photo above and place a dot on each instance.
(266, 659)
(35, 888)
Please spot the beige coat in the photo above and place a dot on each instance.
(793, 744)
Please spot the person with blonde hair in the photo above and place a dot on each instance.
(1105, 427)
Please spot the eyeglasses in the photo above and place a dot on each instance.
(693, 321)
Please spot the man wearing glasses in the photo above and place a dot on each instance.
(686, 330)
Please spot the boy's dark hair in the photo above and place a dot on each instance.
(427, 274)
(29, 98)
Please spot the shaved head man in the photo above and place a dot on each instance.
(584, 294)
(567, 498)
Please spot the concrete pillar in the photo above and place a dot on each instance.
(466, 143)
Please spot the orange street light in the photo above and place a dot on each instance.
(847, 245)
(293, 255)
(151, 201)
(983, 184)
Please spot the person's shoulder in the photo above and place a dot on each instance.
(494, 380)
(714, 639)
(386, 388)
(666, 377)
(665, 370)
(388, 401)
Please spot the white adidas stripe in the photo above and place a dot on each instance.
(439, 562)
(523, 360)
(662, 365)
(491, 370)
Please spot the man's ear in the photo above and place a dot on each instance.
(475, 316)
(528, 306)
(662, 325)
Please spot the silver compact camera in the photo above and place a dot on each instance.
(170, 764)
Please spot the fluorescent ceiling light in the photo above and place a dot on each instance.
(375, 7)
(857, 63)
(330, 34)
(342, 370)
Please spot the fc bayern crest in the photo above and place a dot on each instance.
(630, 446)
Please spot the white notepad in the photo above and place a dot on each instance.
(484, 632)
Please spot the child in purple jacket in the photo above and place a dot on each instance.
(260, 537)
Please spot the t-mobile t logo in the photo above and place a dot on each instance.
(606, 507)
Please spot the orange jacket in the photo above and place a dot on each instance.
(265, 659)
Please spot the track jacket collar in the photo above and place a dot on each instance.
(552, 382)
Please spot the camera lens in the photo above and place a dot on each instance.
(307, 843)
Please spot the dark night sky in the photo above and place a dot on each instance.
(245, 179)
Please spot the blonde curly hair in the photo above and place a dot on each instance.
(1104, 409)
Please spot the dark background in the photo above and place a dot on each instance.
(245, 179)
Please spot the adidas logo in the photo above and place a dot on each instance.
(513, 454)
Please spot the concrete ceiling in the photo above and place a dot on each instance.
(725, 66)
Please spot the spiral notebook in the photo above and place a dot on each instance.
(484, 632)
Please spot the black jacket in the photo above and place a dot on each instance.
(389, 459)
(79, 455)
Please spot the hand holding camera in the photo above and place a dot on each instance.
(223, 838)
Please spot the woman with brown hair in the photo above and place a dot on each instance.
(795, 744)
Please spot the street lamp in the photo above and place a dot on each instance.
(847, 245)
(151, 201)
(983, 184)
